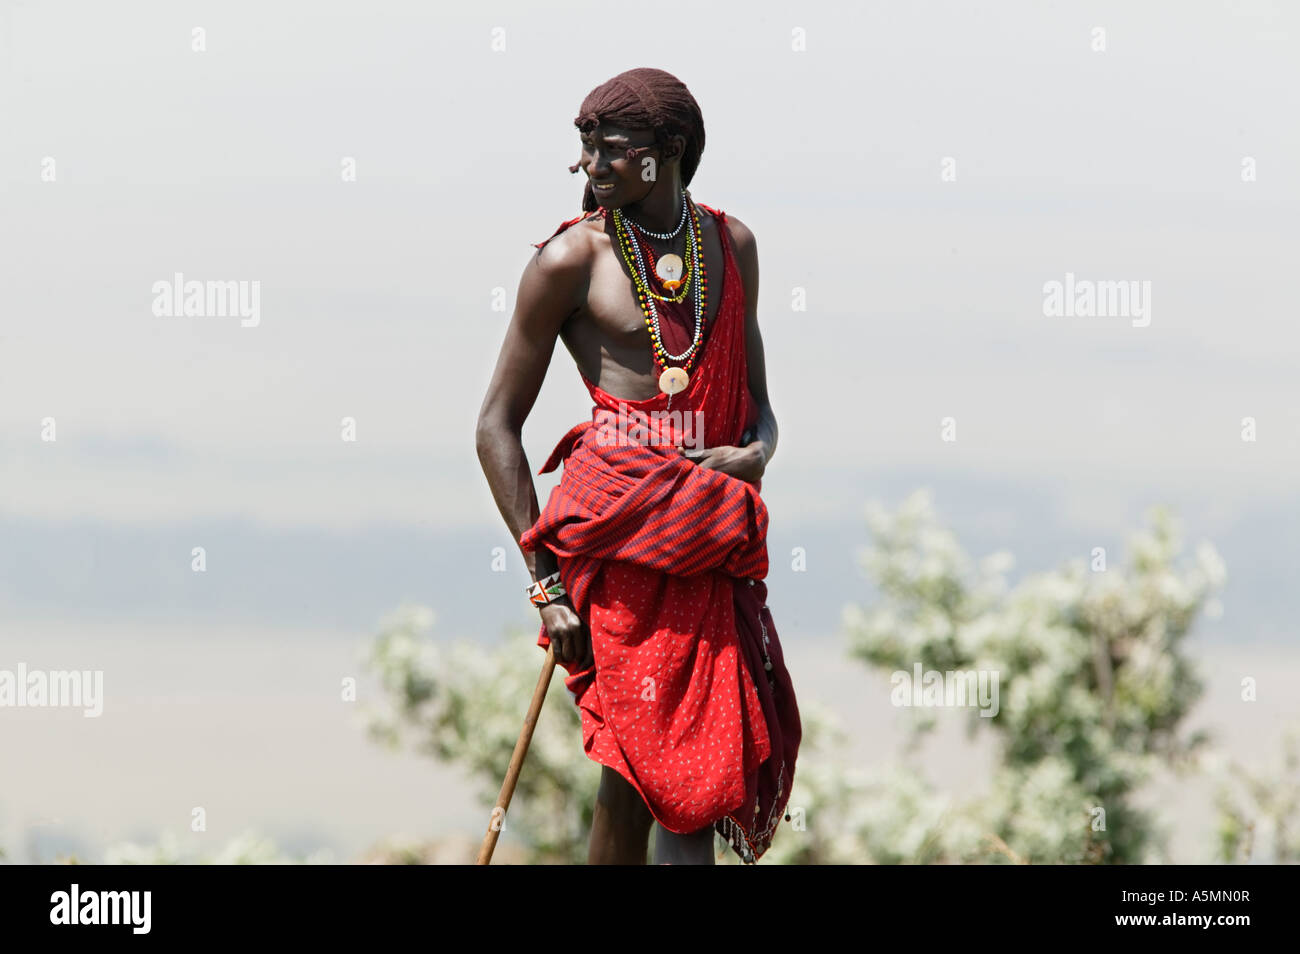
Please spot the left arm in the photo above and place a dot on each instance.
(764, 443)
(749, 461)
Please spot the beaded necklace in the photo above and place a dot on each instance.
(672, 379)
(663, 236)
(666, 266)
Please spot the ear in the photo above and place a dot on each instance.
(676, 147)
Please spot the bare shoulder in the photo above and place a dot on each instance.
(742, 239)
(745, 247)
(572, 248)
(555, 281)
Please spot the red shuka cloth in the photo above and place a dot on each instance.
(664, 561)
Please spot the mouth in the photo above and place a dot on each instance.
(602, 188)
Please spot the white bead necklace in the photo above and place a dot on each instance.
(662, 236)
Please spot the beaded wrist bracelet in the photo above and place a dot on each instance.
(546, 591)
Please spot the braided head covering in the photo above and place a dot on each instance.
(645, 98)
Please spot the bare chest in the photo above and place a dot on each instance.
(608, 337)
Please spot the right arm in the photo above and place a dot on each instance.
(553, 287)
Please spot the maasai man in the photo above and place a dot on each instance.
(649, 559)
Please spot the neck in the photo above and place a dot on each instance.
(660, 211)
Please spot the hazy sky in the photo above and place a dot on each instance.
(925, 292)
(924, 296)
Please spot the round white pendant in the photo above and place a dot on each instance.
(673, 380)
(669, 267)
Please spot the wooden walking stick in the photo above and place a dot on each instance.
(517, 760)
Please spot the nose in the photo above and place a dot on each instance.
(598, 167)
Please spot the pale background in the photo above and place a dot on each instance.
(924, 301)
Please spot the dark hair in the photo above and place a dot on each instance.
(645, 98)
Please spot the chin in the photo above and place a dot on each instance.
(619, 200)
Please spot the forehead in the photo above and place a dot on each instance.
(610, 131)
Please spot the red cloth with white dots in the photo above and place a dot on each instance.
(664, 561)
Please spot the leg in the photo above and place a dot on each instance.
(620, 826)
(695, 848)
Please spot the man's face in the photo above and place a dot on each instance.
(616, 180)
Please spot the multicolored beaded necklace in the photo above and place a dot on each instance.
(635, 253)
